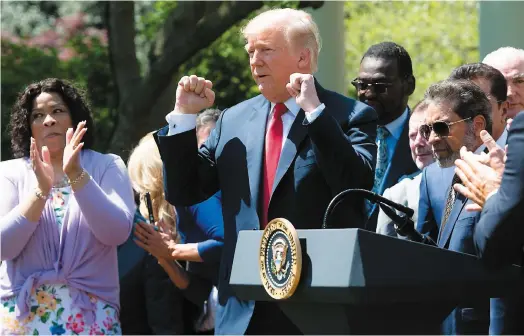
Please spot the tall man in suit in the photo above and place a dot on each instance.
(496, 184)
(407, 191)
(385, 81)
(285, 153)
(456, 114)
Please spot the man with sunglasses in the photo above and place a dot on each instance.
(493, 83)
(385, 81)
(457, 111)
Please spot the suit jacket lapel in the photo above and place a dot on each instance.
(296, 135)
(401, 159)
(255, 130)
(460, 201)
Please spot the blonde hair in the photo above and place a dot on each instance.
(298, 26)
(146, 173)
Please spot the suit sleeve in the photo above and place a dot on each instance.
(208, 218)
(499, 235)
(190, 174)
(426, 223)
(346, 158)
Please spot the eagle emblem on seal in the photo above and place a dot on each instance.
(280, 264)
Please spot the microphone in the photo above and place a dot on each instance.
(404, 225)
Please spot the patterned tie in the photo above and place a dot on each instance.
(273, 147)
(450, 201)
(382, 157)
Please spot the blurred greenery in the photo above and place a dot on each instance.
(438, 35)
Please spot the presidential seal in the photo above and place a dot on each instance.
(280, 259)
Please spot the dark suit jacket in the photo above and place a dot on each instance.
(401, 164)
(320, 159)
(499, 234)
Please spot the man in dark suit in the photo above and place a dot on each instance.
(498, 189)
(285, 153)
(456, 114)
(385, 81)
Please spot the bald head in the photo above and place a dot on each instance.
(510, 62)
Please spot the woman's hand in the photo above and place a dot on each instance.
(42, 167)
(71, 161)
(159, 244)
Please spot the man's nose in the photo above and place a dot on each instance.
(369, 92)
(511, 89)
(255, 59)
(49, 120)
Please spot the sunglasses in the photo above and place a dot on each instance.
(441, 128)
(376, 87)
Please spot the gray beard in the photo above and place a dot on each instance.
(469, 143)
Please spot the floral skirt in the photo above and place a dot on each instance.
(52, 314)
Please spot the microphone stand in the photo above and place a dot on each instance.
(404, 225)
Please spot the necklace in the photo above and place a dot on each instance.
(62, 183)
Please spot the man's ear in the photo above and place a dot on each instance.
(504, 106)
(409, 85)
(479, 124)
(304, 60)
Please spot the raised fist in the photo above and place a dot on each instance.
(194, 94)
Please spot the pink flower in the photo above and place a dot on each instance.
(75, 324)
(95, 329)
(66, 54)
(108, 323)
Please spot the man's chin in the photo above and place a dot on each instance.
(448, 161)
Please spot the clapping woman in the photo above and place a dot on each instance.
(64, 208)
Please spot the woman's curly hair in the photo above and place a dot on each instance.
(74, 98)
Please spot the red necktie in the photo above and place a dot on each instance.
(274, 135)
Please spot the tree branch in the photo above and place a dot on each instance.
(122, 47)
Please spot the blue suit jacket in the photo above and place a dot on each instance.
(434, 188)
(499, 234)
(320, 159)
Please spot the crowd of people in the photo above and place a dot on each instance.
(90, 246)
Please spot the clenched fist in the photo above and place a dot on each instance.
(302, 87)
(194, 94)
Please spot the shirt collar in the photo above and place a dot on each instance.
(396, 126)
(501, 141)
(291, 105)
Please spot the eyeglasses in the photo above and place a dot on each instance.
(441, 128)
(378, 88)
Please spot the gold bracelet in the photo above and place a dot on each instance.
(76, 180)
(39, 194)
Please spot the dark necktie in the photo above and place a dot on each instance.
(273, 147)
